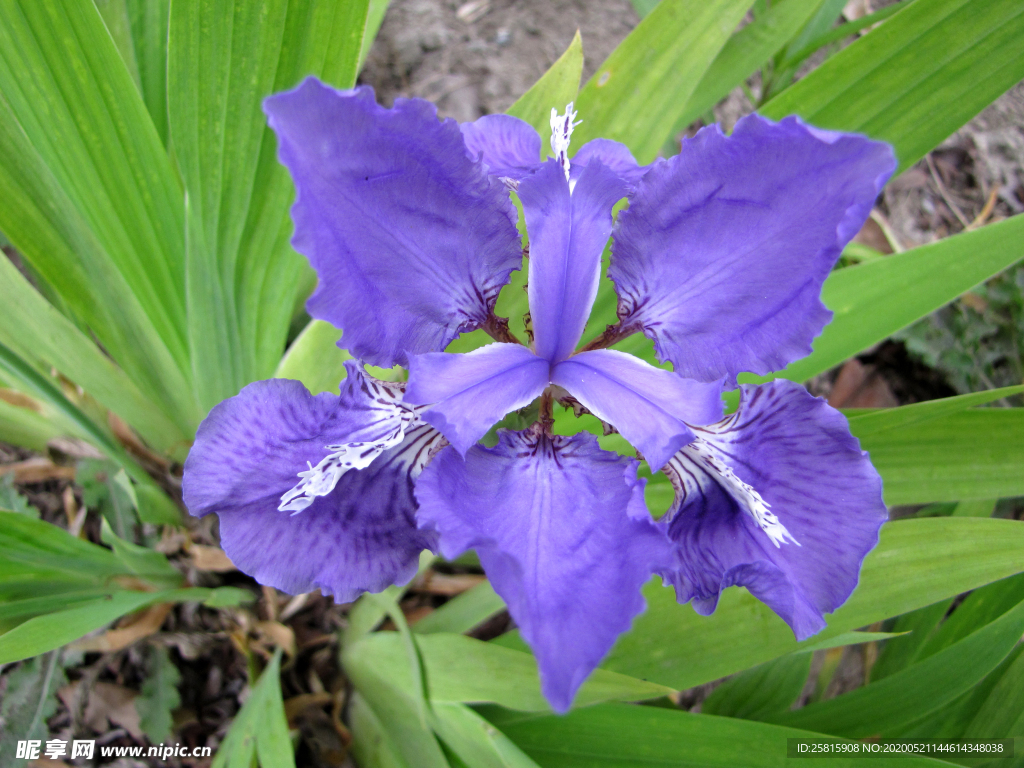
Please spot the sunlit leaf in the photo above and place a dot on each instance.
(556, 88)
(641, 90)
(241, 275)
(91, 199)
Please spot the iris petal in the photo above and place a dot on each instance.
(508, 146)
(722, 253)
(613, 154)
(568, 232)
(561, 528)
(468, 393)
(821, 508)
(652, 408)
(360, 536)
(411, 240)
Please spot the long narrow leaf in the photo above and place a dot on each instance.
(916, 690)
(976, 454)
(149, 20)
(91, 199)
(917, 78)
(621, 736)
(556, 88)
(873, 300)
(641, 90)
(885, 419)
(672, 645)
(40, 386)
(38, 332)
(460, 669)
(224, 59)
(259, 733)
(747, 50)
(315, 359)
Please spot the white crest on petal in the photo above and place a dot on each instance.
(696, 465)
(421, 444)
(391, 420)
(561, 135)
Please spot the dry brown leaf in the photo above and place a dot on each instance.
(270, 602)
(70, 696)
(296, 705)
(974, 301)
(19, 400)
(861, 386)
(37, 470)
(110, 703)
(856, 9)
(75, 448)
(419, 612)
(190, 645)
(139, 625)
(133, 583)
(295, 605)
(210, 559)
(131, 441)
(278, 635)
(76, 515)
(872, 235)
(171, 541)
(444, 584)
(473, 10)
(320, 734)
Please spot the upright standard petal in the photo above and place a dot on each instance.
(722, 253)
(507, 146)
(562, 530)
(358, 535)
(567, 234)
(652, 408)
(411, 240)
(465, 395)
(613, 154)
(777, 498)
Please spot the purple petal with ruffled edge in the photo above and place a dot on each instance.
(614, 155)
(411, 240)
(821, 514)
(507, 145)
(562, 530)
(722, 253)
(567, 235)
(469, 393)
(652, 408)
(362, 536)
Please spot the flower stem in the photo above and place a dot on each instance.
(613, 334)
(546, 418)
(497, 328)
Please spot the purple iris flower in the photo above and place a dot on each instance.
(719, 259)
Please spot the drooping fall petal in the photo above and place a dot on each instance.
(562, 531)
